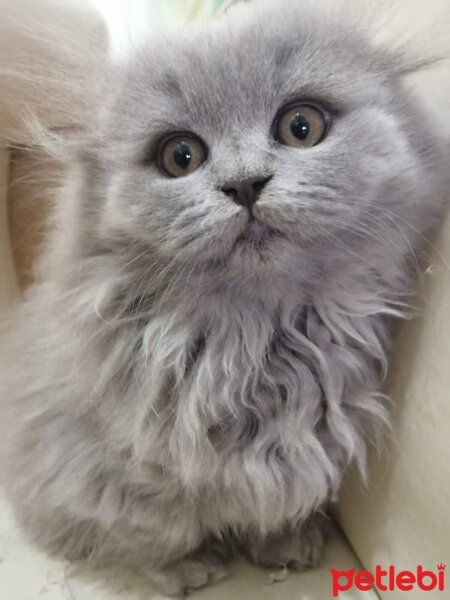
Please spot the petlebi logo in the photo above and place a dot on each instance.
(388, 579)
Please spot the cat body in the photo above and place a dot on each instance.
(180, 379)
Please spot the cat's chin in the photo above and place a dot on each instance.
(262, 257)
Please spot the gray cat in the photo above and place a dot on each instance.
(200, 358)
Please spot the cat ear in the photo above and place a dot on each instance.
(418, 54)
(401, 63)
(408, 39)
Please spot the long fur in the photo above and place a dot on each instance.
(169, 386)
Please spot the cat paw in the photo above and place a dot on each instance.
(179, 579)
(296, 549)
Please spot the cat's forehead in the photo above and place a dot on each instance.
(233, 72)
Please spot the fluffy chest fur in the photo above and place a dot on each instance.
(250, 412)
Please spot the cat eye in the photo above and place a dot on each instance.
(302, 125)
(181, 154)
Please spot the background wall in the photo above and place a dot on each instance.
(130, 22)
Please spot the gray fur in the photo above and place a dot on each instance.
(172, 390)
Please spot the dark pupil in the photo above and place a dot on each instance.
(182, 155)
(300, 127)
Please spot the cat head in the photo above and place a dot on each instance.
(274, 143)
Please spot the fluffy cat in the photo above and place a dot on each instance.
(200, 358)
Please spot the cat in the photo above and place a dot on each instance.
(200, 358)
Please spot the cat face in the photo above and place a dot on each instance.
(272, 141)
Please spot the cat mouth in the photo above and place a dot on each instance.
(256, 232)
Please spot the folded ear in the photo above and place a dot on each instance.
(412, 39)
(412, 44)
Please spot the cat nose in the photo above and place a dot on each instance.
(245, 192)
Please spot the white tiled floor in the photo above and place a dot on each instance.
(28, 574)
